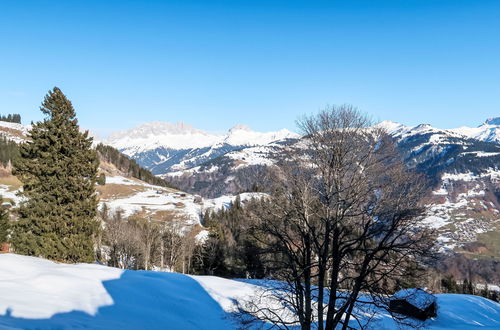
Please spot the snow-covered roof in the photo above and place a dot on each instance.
(417, 297)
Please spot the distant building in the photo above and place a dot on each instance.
(416, 303)
(198, 199)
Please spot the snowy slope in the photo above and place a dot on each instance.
(131, 196)
(489, 131)
(155, 199)
(14, 132)
(40, 294)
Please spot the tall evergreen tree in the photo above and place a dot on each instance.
(4, 225)
(58, 169)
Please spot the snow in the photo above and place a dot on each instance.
(40, 294)
(241, 135)
(181, 136)
(7, 192)
(260, 155)
(51, 288)
(227, 292)
(124, 181)
(225, 201)
(465, 312)
(157, 134)
(435, 222)
(440, 192)
(481, 153)
(489, 131)
(468, 176)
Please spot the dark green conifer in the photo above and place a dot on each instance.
(4, 225)
(58, 169)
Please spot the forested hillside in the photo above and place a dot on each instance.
(129, 166)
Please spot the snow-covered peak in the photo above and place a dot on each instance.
(157, 128)
(182, 136)
(493, 121)
(243, 136)
(401, 131)
(158, 134)
(237, 128)
(489, 131)
(391, 127)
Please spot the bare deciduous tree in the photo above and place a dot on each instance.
(343, 216)
(172, 240)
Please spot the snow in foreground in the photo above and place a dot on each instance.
(36, 293)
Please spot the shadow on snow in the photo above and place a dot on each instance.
(142, 300)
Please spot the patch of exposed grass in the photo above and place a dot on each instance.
(11, 181)
(492, 241)
(9, 200)
(113, 191)
(166, 215)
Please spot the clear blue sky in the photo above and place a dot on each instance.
(215, 64)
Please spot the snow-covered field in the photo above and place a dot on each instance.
(39, 294)
(154, 198)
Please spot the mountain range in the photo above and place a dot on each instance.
(211, 165)
(164, 148)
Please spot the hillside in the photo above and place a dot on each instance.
(133, 196)
(99, 297)
(128, 187)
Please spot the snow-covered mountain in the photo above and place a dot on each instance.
(165, 147)
(489, 131)
(421, 144)
(463, 166)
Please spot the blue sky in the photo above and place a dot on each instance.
(215, 64)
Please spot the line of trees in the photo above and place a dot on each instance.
(138, 242)
(450, 285)
(11, 118)
(8, 151)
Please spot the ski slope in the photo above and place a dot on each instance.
(40, 294)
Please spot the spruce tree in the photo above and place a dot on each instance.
(58, 169)
(4, 225)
